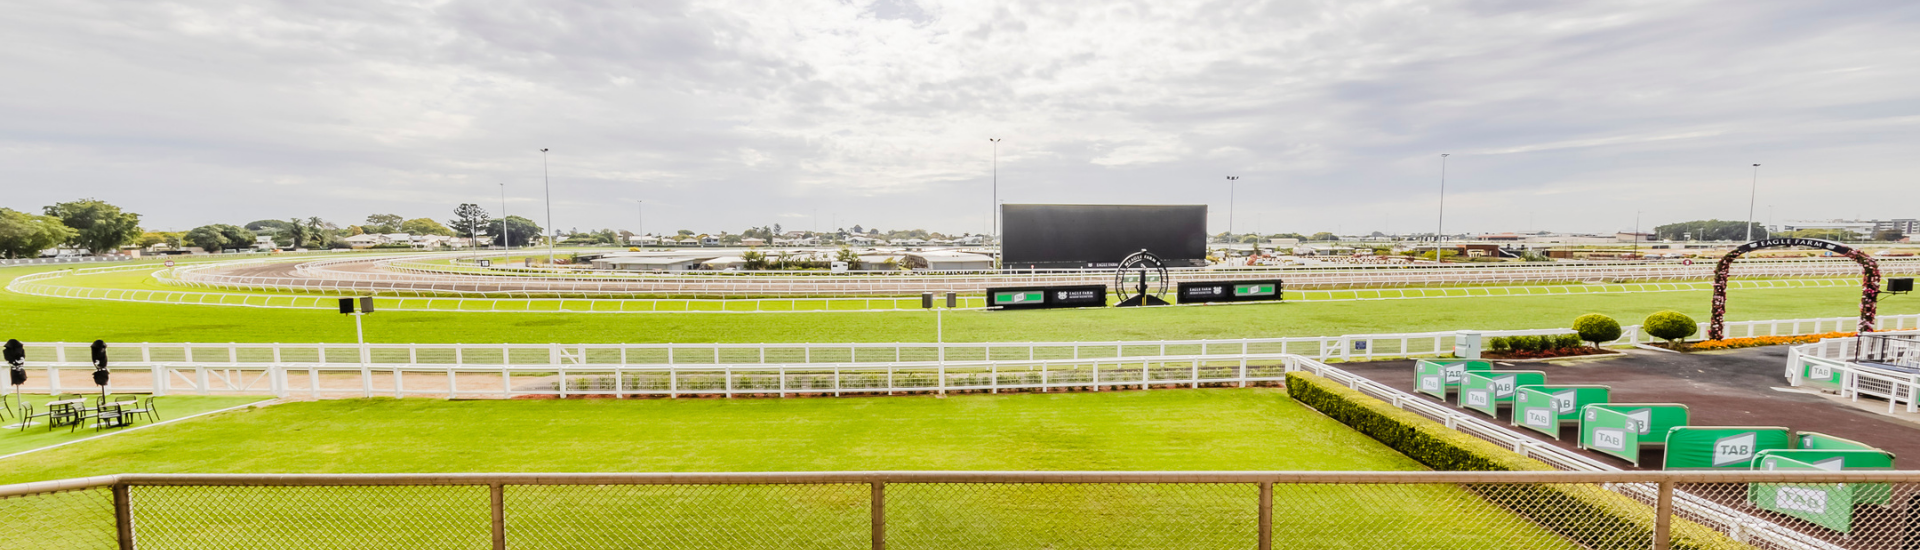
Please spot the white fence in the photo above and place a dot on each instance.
(514, 370)
(449, 299)
(65, 260)
(1828, 362)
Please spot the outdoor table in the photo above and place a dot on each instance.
(61, 413)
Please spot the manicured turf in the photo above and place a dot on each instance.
(14, 440)
(31, 318)
(1215, 429)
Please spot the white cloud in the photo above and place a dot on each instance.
(727, 114)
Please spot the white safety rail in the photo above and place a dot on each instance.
(383, 275)
(1832, 356)
(320, 380)
(249, 367)
(450, 300)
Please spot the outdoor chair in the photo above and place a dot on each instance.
(6, 410)
(110, 415)
(27, 415)
(139, 408)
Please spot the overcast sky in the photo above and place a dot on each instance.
(1566, 116)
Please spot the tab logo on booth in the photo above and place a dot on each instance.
(1455, 372)
(1563, 402)
(1610, 439)
(1812, 501)
(1503, 386)
(1733, 449)
(1819, 372)
(1539, 418)
(1640, 420)
(1430, 383)
(1477, 398)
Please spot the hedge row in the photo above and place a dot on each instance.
(1592, 516)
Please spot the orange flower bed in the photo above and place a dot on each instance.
(1756, 341)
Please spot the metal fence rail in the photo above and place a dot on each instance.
(1830, 363)
(396, 275)
(906, 509)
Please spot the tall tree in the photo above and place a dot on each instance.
(517, 231)
(469, 218)
(98, 227)
(383, 223)
(24, 235)
(424, 226)
(220, 236)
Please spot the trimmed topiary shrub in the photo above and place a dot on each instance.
(1671, 326)
(1588, 514)
(1597, 328)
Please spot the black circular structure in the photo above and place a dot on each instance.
(1144, 275)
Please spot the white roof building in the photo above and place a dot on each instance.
(948, 260)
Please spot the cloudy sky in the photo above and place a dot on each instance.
(1565, 116)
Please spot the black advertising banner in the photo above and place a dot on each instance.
(1043, 297)
(1230, 291)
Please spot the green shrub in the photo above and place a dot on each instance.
(1592, 516)
(1568, 341)
(1499, 344)
(1597, 328)
(1670, 326)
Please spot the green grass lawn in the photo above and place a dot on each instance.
(14, 440)
(1215, 429)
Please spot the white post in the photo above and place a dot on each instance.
(366, 370)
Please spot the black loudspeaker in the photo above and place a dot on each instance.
(16, 353)
(19, 375)
(100, 376)
(346, 305)
(1903, 284)
(99, 354)
(366, 304)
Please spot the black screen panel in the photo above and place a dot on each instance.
(1057, 236)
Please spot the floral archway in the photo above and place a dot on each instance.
(1869, 279)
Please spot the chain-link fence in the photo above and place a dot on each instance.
(971, 510)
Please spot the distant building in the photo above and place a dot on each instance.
(948, 260)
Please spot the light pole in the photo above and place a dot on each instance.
(1754, 193)
(1440, 231)
(549, 183)
(506, 234)
(640, 218)
(1232, 181)
(996, 190)
(1636, 234)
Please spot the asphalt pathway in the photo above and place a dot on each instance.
(1732, 388)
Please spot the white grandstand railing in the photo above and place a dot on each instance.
(1856, 379)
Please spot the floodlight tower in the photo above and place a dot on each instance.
(1753, 193)
(1232, 182)
(995, 230)
(1440, 231)
(549, 183)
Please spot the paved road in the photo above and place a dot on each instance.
(1720, 389)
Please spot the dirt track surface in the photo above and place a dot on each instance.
(1719, 389)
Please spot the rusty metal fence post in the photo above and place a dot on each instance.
(879, 510)
(1663, 517)
(498, 492)
(1266, 515)
(123, 515)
